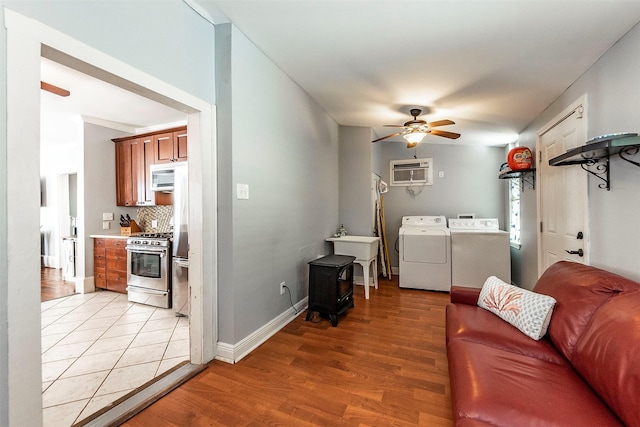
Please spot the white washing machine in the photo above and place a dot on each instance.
(479, 249)
(425, 253)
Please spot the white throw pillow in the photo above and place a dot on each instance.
(528, 311)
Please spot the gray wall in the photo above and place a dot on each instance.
(276, 139)
(612, 86)
(97, 183)
(165, 39)
(356, 212)
(470, 184)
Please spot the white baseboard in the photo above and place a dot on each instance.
(85, 285)
(233, 353)
(51, 261)
(359, 280)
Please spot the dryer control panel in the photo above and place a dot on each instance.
(488, 224)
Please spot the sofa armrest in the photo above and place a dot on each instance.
(464, 295)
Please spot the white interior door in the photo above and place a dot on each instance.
(563, 197)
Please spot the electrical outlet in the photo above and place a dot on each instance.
(282, 285)
(106, 225)
(154, 223)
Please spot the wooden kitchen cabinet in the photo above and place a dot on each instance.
(135, 155)
(129, 169)
(148, 197)
(116, 265)
(170, 146)
(100, 263)
(110, 264)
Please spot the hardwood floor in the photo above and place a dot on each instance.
(384, 364)
(53, 286)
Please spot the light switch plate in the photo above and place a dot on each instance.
(106, 225)
(242, 191)
(107, 216)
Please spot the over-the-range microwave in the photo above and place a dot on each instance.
(162, 176)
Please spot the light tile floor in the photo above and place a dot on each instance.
(97, 347)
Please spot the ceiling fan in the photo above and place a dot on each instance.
(415, 130)
(54, 89)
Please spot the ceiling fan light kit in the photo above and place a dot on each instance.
(415, 130)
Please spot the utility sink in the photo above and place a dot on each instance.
(361, 247)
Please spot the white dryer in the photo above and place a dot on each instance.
(425, 253)
(479, 249)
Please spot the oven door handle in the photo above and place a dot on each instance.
(162, 253)
(146, 290)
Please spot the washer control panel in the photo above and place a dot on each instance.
(424, 221)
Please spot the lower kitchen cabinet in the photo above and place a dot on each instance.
(100, 263)
(110, 264)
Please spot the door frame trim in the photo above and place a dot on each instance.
(582, 101)
(25, 39)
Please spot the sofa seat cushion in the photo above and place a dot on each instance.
(579, 290)
(472, 323)
(503, 388)
(608, 355)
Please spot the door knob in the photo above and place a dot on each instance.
(579, 252)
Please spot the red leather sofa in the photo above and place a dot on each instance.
(584, 372)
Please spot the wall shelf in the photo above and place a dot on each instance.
(527, 176)
(594, 156)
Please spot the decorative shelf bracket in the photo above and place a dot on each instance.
(529, 179)
(527, 176)
(629, 151)
(594, 156)
(599, 170)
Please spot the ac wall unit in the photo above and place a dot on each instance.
(410, 172)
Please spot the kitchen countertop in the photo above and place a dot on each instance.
(108, 236)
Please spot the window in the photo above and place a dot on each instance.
(514, 212)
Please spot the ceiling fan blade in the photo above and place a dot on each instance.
(444, 133)
(393, 126)
(388, 136)
(54, 89)
(441, 123)
(411, 144)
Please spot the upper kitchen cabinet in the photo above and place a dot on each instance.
(171, 146)
(149, 154)
(129, 163)
(135, 155)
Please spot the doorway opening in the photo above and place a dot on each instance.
(27, 40)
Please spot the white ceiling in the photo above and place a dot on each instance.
(97, 102)
(491, 66)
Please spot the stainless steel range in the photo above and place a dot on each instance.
(149, 269)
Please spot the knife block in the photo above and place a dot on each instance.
(132, 228)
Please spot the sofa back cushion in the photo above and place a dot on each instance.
(608, 355)
(579, 290)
